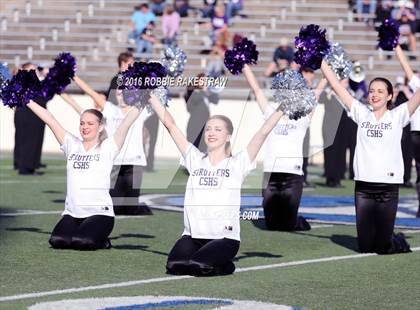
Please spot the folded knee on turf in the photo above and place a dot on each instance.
(83, 243)
(58, 242)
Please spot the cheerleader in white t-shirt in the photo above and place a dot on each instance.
(211, 236)
(88, 217)
(127, 173)
(414, 84)
(283, 161)
(378, 163)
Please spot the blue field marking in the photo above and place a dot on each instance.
(335, 205)
(172, 303)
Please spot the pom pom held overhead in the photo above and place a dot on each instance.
(311, 46)
(388, 34)
(292, 94)
(245, 52)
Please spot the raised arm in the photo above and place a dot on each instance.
(49, 119)
(404, 62)
(98, 98)
(253, 83)
(414, 102)
(320, 88)
(70, 100)
(169, 122)
(257, 141)
(122, 130)
(339, 89)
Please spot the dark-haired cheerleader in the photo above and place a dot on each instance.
(378, 163)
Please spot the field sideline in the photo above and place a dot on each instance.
(317, 269)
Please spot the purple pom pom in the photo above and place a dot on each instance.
(59, 76)
(139, 80)
(388, 34)
(312, 46)
(17, 92)
(245, 52)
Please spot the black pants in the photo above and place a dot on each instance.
(125, 187)
(407, 152)
(29, 136)
(376, 209)
(415, 138)
(152, 125)
(90, 233)
(202, 257)
(281, 198)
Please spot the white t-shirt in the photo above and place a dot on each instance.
(213, 194)
(378, 156)
(88, 178)
(132, 152)
(284, 146)
(414, 84)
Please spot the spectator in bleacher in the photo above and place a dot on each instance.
(282, 58)
(208, 9)
(407, 18)
(219, 25)
(147, 39)
(215, 67)
(365, 7)
(171, 22)
(182, 7)
(233, 8)
(125, 59)
(157, 7)
(383, 10)
(141, 17)
(28, 147)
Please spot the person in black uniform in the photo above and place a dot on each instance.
(125, 59)
(197, 100)
(28, 148)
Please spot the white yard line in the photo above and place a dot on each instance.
(177, 278)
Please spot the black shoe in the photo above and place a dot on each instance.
(133, 210)
(400, 244)
(302, 224)
(41, 165)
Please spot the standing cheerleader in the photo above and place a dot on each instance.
(88, 217)
(283, 162)
(378, 163)
(414, 84)
(211, 238)
(127, 173)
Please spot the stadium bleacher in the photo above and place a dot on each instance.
(95, 31)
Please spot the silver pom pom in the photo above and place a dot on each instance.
(174, 60)
(162, 93)
(339, 62)
(292, 94)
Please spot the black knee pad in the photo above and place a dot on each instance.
(58, 242)
(83, 244)
(178, 268)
